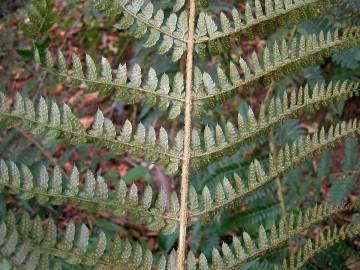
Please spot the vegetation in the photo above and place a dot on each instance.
(238, 127)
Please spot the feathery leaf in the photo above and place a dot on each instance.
(301, 150)
(128, 86)
(214, 149)
(292, 58)
(102, 131)
(93, 194)
(151, 24)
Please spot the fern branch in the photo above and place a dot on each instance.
(73, 246)
(64, 124)
(142, 16)
(94, 193)
(130, 88)
(278, 60)
(227, 196)
(284, 10)
(217, 145)
(322, 242)
(184, 214)
(279, 236)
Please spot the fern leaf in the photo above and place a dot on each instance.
(130, 87)
(283, 161)
(218, 146)
(261, 20)
(64, 124)
(246, 250)
(151, 24)
(32, 243)
(303, 51)
(94, 194)
(325, 239)
(73, 246)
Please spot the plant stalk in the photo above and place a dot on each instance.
(187, 140)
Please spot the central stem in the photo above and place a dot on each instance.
(187, 139)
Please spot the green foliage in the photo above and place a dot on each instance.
(251, 155)
(50, 120)
(131, 88)
(279, 109)
(41, 16)
(281, 58)
(229, 195)
(93, 193)
(28, 244)
(279, 235)
(259, 23)
(172, 29)
(324, 240)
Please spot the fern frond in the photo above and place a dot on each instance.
(282, 58)
(326, 239)
(267, 16)
(130, 87)
(217, 145)
(247, 250)
(74, 246)
(41, 16)
(93, 195)
(228, 196)
(146, 21)
(50, 120)
(45, 262)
